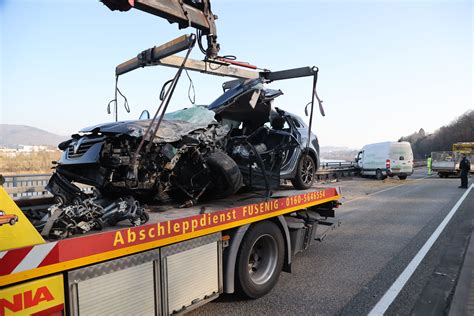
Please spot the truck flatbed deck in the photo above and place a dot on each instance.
(167, 225)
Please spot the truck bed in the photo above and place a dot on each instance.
(167, 225)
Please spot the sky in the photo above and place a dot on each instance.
(386, 68)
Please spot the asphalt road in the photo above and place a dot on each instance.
(384, 225)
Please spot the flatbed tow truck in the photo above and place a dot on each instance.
(183, 257)
(180, 260)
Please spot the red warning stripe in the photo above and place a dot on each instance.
(52, 311)
(128, 239)
(12, 259)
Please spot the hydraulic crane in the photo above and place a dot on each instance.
(187, 13)
(196, 14)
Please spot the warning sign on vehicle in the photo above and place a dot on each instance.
(15, 229)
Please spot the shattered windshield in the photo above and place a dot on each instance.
(198, 115)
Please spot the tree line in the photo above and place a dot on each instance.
(459, 130)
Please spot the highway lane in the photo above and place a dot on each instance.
(384, 224)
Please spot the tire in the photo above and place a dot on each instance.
(12, 222)
(379, 174)
(305, 173)
(227, 178)
(402, 177)
(259, 260)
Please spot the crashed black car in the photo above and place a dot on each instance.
(239, 139)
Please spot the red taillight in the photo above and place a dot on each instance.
(387, 164)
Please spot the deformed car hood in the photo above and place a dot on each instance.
(173, 127)
(240, 89)
(245, 101)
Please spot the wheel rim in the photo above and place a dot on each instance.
(263, 259)
(307, 171)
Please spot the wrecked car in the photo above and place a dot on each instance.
(183, 160)
(267, 143)
(240, 138)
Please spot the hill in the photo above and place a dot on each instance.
(14, 135)
(338, 153)
(460, 130)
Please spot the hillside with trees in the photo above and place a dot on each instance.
(460, 130)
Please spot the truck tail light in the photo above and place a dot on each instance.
(387, 164)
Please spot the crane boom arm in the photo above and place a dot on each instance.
(186, 13)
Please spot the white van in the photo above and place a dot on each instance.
(386, 159)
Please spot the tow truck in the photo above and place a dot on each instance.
(183, 257)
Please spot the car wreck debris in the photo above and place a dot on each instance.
(62, 221)
(239, 139)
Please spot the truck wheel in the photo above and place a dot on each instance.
(260, 260)
(402, 177)
(379, 174)
(305, 172)
(226, 174)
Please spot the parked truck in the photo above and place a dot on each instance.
(446, 163)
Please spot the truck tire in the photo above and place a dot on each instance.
(305, 173)
(402, 177)
(259, 260)
(226, 173)
(379, 175)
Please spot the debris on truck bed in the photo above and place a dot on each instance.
(94, 213)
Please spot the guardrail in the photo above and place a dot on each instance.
(419, 163)
(30, 186)
(337, 165)
(26, 185)
(336, 170)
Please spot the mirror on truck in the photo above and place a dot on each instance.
(145, 115)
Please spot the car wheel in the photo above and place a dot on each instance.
(260, 260)
(12, 221)
(227, 178)
(379, 174)
(402, 177)
(305, 173)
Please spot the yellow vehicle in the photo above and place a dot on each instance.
(464, 148)
(183, 257)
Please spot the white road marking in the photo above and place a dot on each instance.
(34, 257)
(381, 307)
